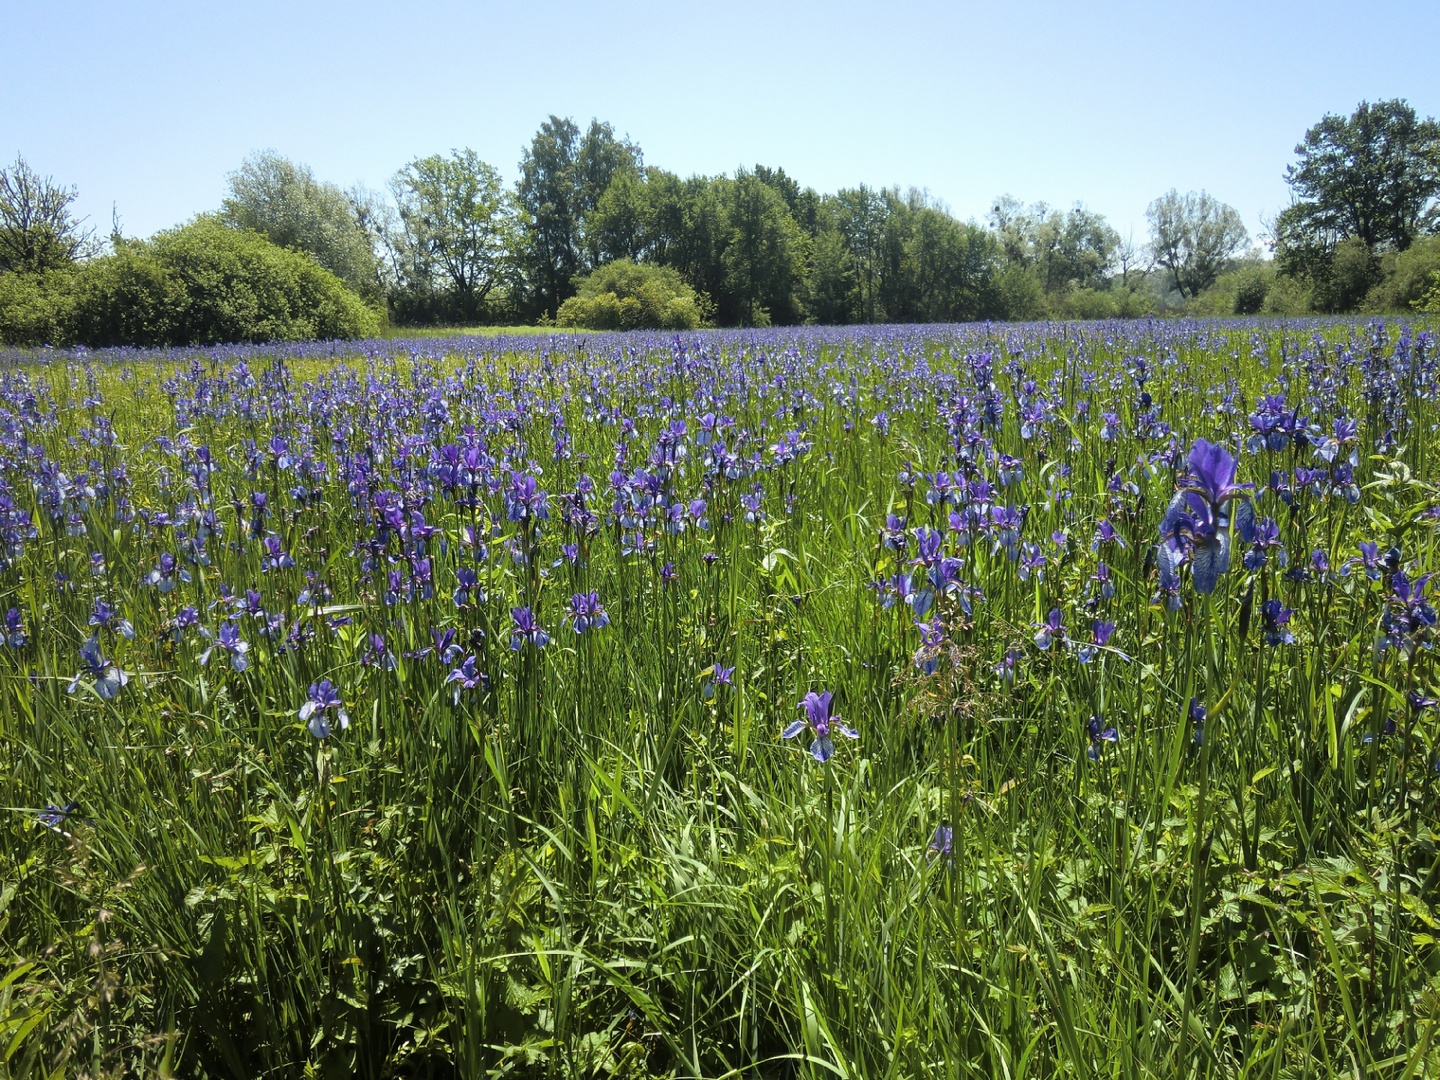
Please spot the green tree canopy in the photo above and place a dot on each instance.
(562, 180)
(1193, 236)
(280, 198)
(456, 226)
(204, 283)
(38, 231)
(1374, 175)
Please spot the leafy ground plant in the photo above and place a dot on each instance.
(1031, 701)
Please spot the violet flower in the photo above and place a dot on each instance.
(820, 721)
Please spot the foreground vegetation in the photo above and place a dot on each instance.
(466, 707)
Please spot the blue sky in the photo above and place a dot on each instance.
(147, 106)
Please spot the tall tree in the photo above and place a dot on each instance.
(1193, 236)
(1071, 250)
(38, 231)
(861, 214)
(562, 180)
(280, 198)
(1374, 175)
(765, 256)
(456, 225)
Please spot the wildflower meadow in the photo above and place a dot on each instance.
(957, 701)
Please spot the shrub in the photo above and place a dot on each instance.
(35, 309)
(1252, 286)
(1430, 302)
(201, 284)
(624, 295)
(1408, 277)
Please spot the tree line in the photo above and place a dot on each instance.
(590, 234)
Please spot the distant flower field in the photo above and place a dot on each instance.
(949, 701)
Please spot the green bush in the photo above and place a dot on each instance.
(1252, 286)
(624, 295)
(35, 309)
(1408, 276)
(201, 284)
(1430, 302)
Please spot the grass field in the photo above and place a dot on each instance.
(987, 701)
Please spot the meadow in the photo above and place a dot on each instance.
(959, 701)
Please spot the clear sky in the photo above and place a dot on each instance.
(147, 106)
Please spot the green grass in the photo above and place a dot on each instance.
(608, 866)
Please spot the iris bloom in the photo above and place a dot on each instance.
(465, 677)
(1051, 630)
(15, 635)
(1198, 713)
(1099, 737)
(103, 675)
(1101, 632)
(323, 699)
(819, 720)
(526, 629)
(1197, 522)
(587, 613)
(228, 641)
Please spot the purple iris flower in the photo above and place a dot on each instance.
(275, 557)
(526, 500)
(323, 699)
(465, 677)
(1266, 537)
(377, 654)
(1100, 635)
(228, 641)
(1051, 630)
(1007, 665)
(15, 635)
(104, 615)
(1276, 617)
(1105, 534)
(1198, 714)
(1032, 561)
(820, 721)
(166, 573)
(1419, 701)
(1369, 558)
(1408, 614)
(1099, 736)
(587, 613)
(526, 629)
(103, 675)
(1196, 527)
(468, 581)
(720, 675)
(941, 843)
(54, 817)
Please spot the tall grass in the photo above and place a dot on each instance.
(601, 858)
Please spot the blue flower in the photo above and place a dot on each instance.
(466, 677)
(104, 677)
(1196, 528)
(15, 635)
(941, 843)
(228, 641)
(324, 699)
(1198, 713)
(526, 629)
(820, 721)
(1099, 737)
(587, 613)
(1051, 630)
